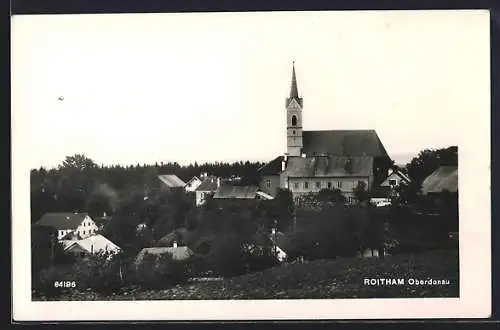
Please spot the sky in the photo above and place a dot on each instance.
(145, 88)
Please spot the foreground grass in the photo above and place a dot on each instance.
(339, 278)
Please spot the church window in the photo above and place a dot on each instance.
(306, 185)
(294, 121)
(339, 184)
(318, 184)
(293, 132)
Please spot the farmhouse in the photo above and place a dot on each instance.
(65, 223)
(176, 252)
(323, 159)
(445, 178)
(90, 245)
(207, 188)
(170, 182)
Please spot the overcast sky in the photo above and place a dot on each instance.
(143, 88)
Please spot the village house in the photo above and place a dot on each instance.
(192, 184)
(395, 178)
(207, 188)
(90, 245)
(323, 159)
(176, 252)
(440, 189)
(234, 193)
(66, 223)
(170, 182)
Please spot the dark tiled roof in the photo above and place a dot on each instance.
(444, 178)
(62, 221)
(272, 168)
(325, 166)
(171, 181)
(236, 192)
(209, 184)
(343, 143)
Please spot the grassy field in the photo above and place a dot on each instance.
(339, 278)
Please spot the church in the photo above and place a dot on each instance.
(323, 159)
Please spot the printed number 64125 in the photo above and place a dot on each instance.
(64, 284)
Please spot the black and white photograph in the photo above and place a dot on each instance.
(252, 165)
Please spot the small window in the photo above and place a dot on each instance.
(318, 184)
(294, 120)
(268, 183)
(339, 184)
(329, 185)
(306, 185)
(293, 132)
(296, 185)
(392, 182)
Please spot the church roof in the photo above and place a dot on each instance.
(349, 143)
(272, 168)
(327, 166)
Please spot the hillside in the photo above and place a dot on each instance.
(340, 278)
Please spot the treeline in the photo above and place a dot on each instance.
(71, 186)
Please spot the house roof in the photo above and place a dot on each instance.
(272, 168)
(178, 253)
(444, 178)
(343, 143)
(171, 180)
(62, 221)
(193, 179)
(264, 195)
(236, 192)
(325, 166)
(398, 173)
(209, 184)
(99, 243)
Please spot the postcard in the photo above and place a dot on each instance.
(251, 166)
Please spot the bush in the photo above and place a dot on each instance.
(100, 272)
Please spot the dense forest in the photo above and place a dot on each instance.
(79, 183)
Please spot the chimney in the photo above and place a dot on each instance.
(174, 244)
(283, 165)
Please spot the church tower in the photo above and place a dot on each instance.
(294, 106)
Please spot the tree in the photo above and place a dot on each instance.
(79, 162)
(360, 192)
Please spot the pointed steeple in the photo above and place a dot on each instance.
(294, 92)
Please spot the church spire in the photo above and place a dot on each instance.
(294, 93)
